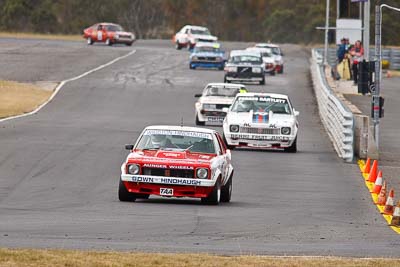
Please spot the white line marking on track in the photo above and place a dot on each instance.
(62, 83)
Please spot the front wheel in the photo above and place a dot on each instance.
(198, 122)
(125, 195)
(226, 143)
(281, 70)
(262, 82)
(226, 190)
(89, 41)
(226, 80)
(272, 73)
(215, 197)
(178, 46)
(108, 42)
(293, 147)
(129, 44)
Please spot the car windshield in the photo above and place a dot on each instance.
(222, 91)
(175, 140)
(246, 58)
(114, 28)
(207, 49)
(261, 104)
(201, 32)
(275, 50)
(266, 54)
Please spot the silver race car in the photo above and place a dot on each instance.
(216, 97)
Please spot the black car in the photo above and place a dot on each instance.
(244, 66)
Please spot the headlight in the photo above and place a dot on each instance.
(285, 130)
(209, 106)
(257, 70)
(202, 173)
(234, 128)
(116, 36)
(218, 58)
(232, 69)
(133, 169)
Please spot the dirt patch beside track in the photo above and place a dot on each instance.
(12, 257)
(19, 98)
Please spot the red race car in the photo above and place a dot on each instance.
(108, 33)
(176, 161)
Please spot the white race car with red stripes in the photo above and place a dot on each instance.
(262, 121)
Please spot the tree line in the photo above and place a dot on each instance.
(283, 21)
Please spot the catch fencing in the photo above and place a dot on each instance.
(336, 117)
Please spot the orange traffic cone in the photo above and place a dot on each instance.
(388, 210)
(382, 195)
(373, 173)
(378, 184)
(367, 166)
(396, 216)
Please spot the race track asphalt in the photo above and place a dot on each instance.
(59, 168)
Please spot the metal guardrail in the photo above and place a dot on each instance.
(390, 54)
(336, 117)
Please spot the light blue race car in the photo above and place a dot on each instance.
(207, 55)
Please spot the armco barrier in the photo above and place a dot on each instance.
(337, 119)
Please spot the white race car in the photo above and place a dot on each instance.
(189, 35)
(277, 52)
(216, 97)
(262, 121)
(268, 59)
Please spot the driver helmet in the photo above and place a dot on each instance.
(242, 90)
(213, 91)
(158, 140)
(246, 105)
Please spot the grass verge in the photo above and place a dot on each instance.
(22, 35)
(19, 98)
(47, 258)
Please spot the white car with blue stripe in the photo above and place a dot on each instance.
(262, 121)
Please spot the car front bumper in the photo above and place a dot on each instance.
(218, 117)
(197, 64)
(124, 41)
(259, 140)
(182, 187)
(256, 77)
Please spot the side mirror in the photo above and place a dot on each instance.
(128, 147)
(225, 110)
(296, 113)
(197, 95)
(228, 154)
